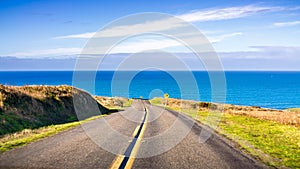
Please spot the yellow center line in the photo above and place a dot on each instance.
(136, 130)
(137, 146)
(117, 161)
(119, 158)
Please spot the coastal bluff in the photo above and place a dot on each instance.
(29, 107)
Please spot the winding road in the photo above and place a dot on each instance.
(142, 136)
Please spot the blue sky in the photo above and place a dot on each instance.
(247, 35)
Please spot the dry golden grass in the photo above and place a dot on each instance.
(288, 117)
(281, 117)
(113, 102)
(40, 91)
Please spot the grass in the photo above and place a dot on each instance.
(117, 103)
(128, 103)
(125, 104)
(26, 136)
(275, 144)
(297, 110)
(156, 101)
(290, 117)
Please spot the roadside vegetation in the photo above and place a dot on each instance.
(32, 107)
(26, 136)
(29, 113)
(270, 135)
(297, 110)
(114, 102)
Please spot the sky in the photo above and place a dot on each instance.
(246, 35)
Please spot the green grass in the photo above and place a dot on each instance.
(275, 144)
(156, 101)
(26, 136)
(294, 109)
(127, 103)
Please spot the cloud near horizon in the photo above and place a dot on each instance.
(286, 24)
(291, 53)
(260, 58)
(143, 44)
(46, 53)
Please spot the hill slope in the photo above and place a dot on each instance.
(37, 106)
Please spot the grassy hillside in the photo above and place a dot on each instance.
(287, 117)
(30, 107)
(114, 102)
(272, 136)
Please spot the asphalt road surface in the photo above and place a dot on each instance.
(142, 136)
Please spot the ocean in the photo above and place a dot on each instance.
(276, 90)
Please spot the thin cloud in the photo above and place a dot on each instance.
(265, 52)
(285, 51)
(124, 30)
(46, 53)
(86, 35)
(145, 45)
(139, 45)
(168, 24)
(223, 37)
(154, 43)
(226, 13)
(286, 24)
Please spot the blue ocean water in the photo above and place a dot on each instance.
(277, 90)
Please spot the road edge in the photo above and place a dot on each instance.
(223, 138)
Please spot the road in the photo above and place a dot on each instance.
(142, 136)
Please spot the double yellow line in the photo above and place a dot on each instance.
(117, 163)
